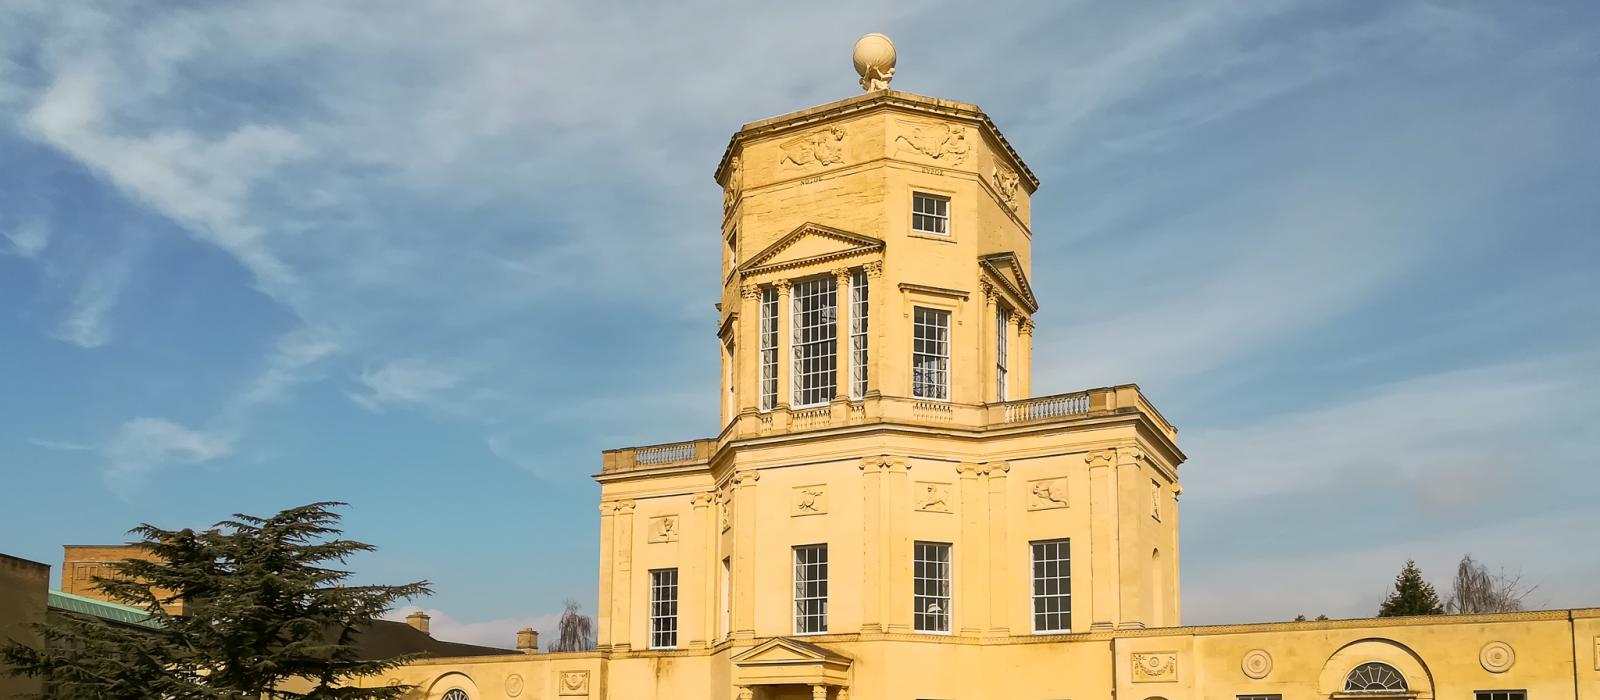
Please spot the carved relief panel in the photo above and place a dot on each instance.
(1045, 494)
(1006, 181)
(945, 143)
(932, 496)
(809, 500)
(664, 528)
(1159, 667)
(816, 149)
(573, 683)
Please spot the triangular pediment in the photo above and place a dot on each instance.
(809, 244)
(782, 650)
(1007, 272)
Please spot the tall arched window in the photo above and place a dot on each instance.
(1374, 677)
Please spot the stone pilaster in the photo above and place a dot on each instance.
(747, 342)
(785, 346)
(894, 577)
(622, 579)
(999, 550)
(1133, 486)
(608, 544)
(1022, 384)
(877, 325)
(972, 569)
(875, 532)
(841, 368)
(989, 354)
(744, 562)
(1104, 557)
(701, 532)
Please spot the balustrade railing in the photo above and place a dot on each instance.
(1047, 407)
(664, 454)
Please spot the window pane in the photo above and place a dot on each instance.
(930, 213)
(811, 589)
(663, 608)
(930, 354)
(931, 587)
(769, 348)
(816, 329)
(1052, 587)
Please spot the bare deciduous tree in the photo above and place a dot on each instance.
(1475, 590)
(575, 631)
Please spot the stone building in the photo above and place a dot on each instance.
(889, 511)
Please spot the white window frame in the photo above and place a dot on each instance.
(810, 589)
(663, 608)
(1002, 347)
(1051, 575)
(815, 341)
(858, 334)
(1517, 694)
(930, 349)
(769, 349)
(930, 213)
(930, 586)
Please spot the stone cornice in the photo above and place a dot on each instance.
(881, 99)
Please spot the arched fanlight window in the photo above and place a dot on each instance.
(1374, 677)
(456, 694)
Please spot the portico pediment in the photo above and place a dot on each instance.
(811, 244)
(1006, 271)
(782, 660)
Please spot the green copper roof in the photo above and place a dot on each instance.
(126, 614)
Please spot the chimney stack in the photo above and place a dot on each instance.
(528, 641)
(418, 621)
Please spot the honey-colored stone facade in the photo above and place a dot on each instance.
(989, 469)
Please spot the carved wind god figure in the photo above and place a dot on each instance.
(947, 144)
(730, 194)
(1006, 182)
(822, 147)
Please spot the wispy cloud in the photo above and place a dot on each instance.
(87, 320)
(404, 381)
(143, 445)
(62, 445)
(29, 238)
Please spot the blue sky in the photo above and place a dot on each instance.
(431, 258)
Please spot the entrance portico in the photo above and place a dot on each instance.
(789, 669)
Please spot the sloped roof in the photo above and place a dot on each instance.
(115, 612)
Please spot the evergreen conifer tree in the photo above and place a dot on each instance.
(262, 605)
(1411, 595)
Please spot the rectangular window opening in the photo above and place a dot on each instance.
(816, 331)
(663, 608)
(930, 213)
(1500, 695)
(930, 354)
(769, 348)
(858, 335)
(811, 589)
(1052, 586)
(931, 587)
(1002, 319)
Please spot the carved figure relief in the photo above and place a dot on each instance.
(1006, 183)
(1045, 494)
(730, 194)
(946, 143)
(810, 500)
(1497, 657)
(664, 528)
(933, 497)
(1159, 667)
(725, 511)
(819, 148)
(573, 683)
(1257, 663)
